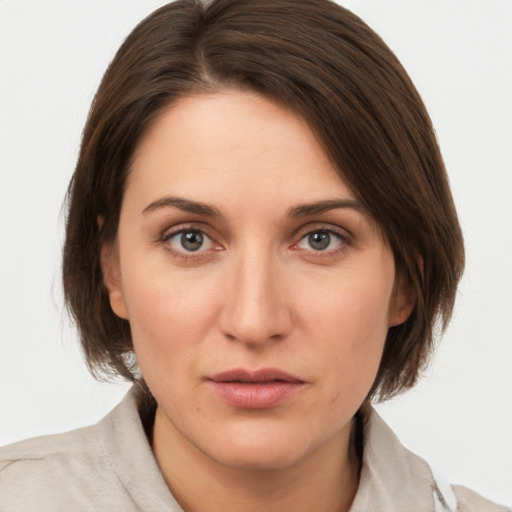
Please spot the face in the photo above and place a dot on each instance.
(258, 290)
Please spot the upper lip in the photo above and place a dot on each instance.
(261, 375)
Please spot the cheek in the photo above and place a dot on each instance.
(168, 316)
(352, 321)
(356, 306)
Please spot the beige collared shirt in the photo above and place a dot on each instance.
(110, 467)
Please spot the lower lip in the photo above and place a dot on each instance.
(246, 395)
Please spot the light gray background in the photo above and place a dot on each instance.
(458, 52)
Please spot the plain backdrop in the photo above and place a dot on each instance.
(459, 54)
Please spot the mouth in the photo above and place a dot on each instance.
(259, 389)
(262, 376)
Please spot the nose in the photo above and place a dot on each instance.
(255, 307)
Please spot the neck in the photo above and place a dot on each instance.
(325, 480)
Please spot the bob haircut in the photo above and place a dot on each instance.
(331, 69)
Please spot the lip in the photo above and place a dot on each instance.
(255, 389)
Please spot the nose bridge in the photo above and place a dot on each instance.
(254, 308)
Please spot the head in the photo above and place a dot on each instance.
(319, 64)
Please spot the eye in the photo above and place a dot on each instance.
(321, 240)
(189, 240)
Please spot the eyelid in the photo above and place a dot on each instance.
(208, 241)
(313, 227)
(342, 234)
(298, 236)
(176, 230)
(181, 227)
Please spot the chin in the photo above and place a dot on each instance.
(259, 449)
(258, 458)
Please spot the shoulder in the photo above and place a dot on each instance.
(56, 453)
(394, 478)
(44, 446)
(107, 466)
(470, 501)
(34, 473)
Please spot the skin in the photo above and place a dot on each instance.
(258, 293)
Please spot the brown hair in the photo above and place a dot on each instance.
(327, 65)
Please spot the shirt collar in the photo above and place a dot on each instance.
(392, 477)
(125, 443)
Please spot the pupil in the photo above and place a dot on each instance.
(319, 241)
(192, 241)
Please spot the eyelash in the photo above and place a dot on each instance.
(185, 255)
(200, 254)
(342, 238)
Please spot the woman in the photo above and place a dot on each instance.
(261, 237)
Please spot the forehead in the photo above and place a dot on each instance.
(229, 142)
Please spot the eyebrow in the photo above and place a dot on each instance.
(324, 206)
(299, 211)
(183, 204)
